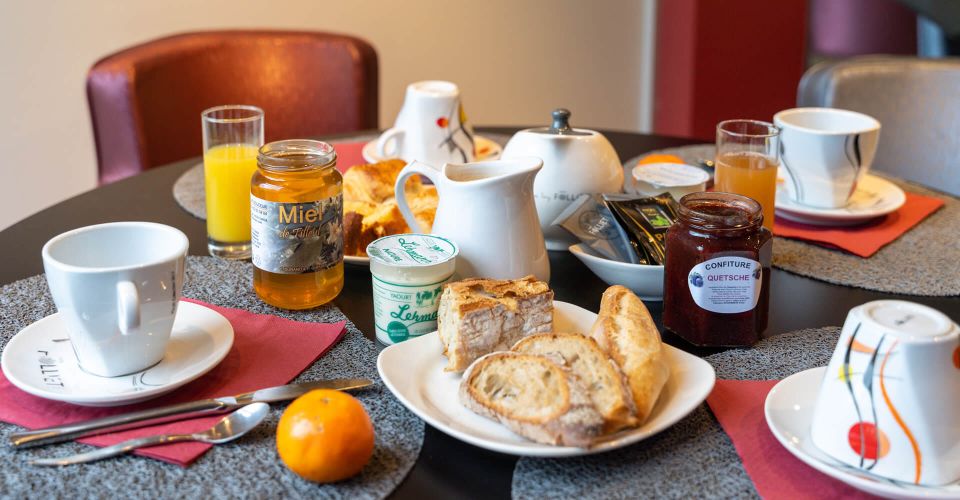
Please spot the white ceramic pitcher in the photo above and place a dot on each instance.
(487, 209)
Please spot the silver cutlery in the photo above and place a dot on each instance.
(175, 412)
(227, 429)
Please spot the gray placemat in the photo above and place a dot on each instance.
(920, 262)
(188, 190)
(248, 467)
(692, 459)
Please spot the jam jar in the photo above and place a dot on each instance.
(717, 275)
(296, 224)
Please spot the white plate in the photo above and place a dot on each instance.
(39, 360)
(413, 371)
(789, 411)
(644, 280)
(874, 197)
(356, 260)
(489, 149)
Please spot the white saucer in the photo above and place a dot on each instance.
(874, 197)
(789, 410)
(39, 360)
(488, 149)
(413, 371)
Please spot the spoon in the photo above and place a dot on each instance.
(227, 429)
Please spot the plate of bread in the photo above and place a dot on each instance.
(514, 371)
(370, 208)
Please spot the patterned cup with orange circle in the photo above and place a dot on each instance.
(888, 404)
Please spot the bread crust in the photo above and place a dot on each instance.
(626, 332)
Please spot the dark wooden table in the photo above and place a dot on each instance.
(447, 468)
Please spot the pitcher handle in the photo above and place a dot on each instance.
(393, 134)
(413, 168)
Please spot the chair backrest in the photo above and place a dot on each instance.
(917, 102)
(145, 101)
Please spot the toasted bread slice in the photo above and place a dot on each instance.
(626, 332)
(599, 374)
(533, 396)
(480, 316)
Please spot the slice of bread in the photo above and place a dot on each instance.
(626, 332)
(533, 396)
(600, 375)
(480, 316)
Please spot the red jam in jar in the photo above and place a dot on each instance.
(716, 289)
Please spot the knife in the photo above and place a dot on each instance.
(175, 412)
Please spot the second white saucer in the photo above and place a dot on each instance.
(874, 197)
(487, 149)
(39, 360)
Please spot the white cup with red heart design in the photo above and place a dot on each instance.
(889, 403)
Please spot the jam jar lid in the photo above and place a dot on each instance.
(294, 155)
(719, 211)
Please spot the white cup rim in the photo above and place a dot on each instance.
(182, 245)
(435, 88)
(779, 120)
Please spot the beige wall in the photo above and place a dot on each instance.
(514, 60)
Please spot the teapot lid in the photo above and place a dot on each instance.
(560, 126)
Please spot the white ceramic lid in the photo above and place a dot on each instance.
(665, 175)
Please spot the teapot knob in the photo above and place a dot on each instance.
(561, 120)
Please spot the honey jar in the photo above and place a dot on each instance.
(716, 287)
(296, 224)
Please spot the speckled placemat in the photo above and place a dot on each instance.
(188, 190)
(920, 262)
(692, 459)
(248, 467)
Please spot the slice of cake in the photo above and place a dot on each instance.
(480, 316)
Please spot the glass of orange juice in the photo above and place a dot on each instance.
(232, 135)
(748, 154)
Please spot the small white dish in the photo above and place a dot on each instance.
(643, 280)
(789, 413)
(487, 149)
(874, 197)
(39, 360)
(413, 371)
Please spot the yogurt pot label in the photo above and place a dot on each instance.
(409, 271)
(726, 285)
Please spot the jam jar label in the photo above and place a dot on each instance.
(296, 238)
(726, 284)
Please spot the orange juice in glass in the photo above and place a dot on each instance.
(748, 154)
(232, 135)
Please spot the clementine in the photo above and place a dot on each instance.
(659, 158)
(325, 436)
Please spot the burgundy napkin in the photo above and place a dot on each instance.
(348, 154)
(867, 239)
(267, 351)
(776, 473)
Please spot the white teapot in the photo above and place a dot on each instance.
(575, 161)
(487, 209)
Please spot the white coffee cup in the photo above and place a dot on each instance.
(117, 287)
(825, 152)
(888, 403)
(431, 127)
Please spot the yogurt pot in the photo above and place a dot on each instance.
(677, 179)
(409, 271)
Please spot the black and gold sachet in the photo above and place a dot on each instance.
(646, 221)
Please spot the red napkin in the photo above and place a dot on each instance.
(267, 351)
(348, 154)
(738, 405)
(867, 239)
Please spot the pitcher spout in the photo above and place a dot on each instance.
(493, 171)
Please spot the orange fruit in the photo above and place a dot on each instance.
(646, 160)
(325, 436)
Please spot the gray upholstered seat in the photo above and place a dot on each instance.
(917, 102)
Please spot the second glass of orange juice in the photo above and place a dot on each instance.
(231, 137)
(748, 154)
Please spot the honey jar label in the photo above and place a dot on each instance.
(296, 238)
(726, 285)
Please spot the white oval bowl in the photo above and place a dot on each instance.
(645, 281)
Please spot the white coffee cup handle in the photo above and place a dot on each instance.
(128, 307)
(391, 134)
(413, 168)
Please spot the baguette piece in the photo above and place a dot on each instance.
(625, 330)
(479, 316)
(533, 396)
(600, 375)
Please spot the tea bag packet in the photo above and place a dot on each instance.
(646, 221)
(589, 219)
